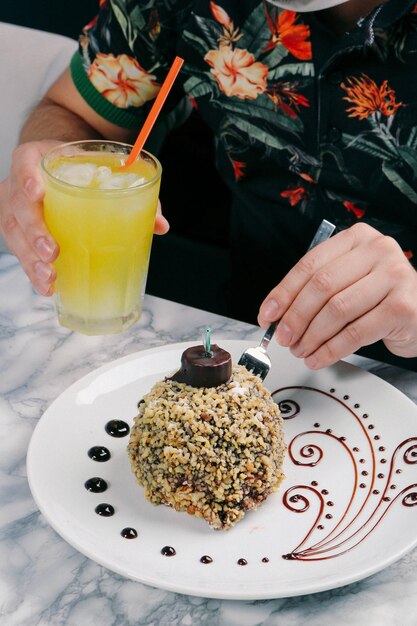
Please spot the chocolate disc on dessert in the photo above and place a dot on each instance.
(200, 368)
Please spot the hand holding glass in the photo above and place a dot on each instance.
(102, 215)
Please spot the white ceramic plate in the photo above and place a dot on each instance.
(346, 509)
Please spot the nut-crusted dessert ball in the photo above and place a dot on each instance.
(215, 452)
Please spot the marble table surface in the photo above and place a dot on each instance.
(46, 582)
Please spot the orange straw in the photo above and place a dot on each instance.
(155, 110)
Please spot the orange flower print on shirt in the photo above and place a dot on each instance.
(294, 195)
(230, 34)
(93, 22)
(307, 177)
(122, 81)
(284, 30)
(367, 98)
(237, 73)
(220, 14)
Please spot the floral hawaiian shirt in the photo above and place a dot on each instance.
(307, 124)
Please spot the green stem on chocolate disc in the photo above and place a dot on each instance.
(207, 342)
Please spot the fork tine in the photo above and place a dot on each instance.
(248, 363)
(256, 361)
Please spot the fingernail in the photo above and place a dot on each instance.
(42, 271)
(45, 290)
(44, 248)
(283, 334)
(33, 189)
(298, 350)
(311, 361)
(161, 225)
(270, 310)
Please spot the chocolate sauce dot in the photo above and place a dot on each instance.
(386, 499)
(168, 551)
(104, 509)
(381, 449)
(383, 460)
(242, 562)
(345, 397)
(99, 453)
(289, 557)
(342, 438)
(117, 428)
(356, 406)
(364, 473)
(376, 491)
(95, 485)
(206, 559)
(361, 460)
(377, 437)
(129, 533)
(316, 425)
(332, 390)
(393, 486)
(371, 427)
(320, 527)
(381, 475)
(398, 471)
(355, 449)
(362, 485)
(288, 408)
(329, 516)
(324, 492)
(265, 559)
(329, 430)
(365, 415)
(314, 483)
(330, 503)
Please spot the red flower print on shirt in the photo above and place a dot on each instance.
(238, 169)
(284, 97)
(352, 208)
(284, 30)
(294, 195)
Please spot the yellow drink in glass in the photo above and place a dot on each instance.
(102, 217)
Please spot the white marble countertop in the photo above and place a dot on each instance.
(46, 582)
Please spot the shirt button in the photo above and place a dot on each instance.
(334, 135)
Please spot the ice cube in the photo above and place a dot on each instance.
(102, 173)
(120, 181)
(138, 181)
(79, 174)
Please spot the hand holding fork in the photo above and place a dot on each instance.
(256, 359)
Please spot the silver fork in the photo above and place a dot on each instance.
(256, 359)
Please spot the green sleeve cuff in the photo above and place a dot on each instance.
(103, 107)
